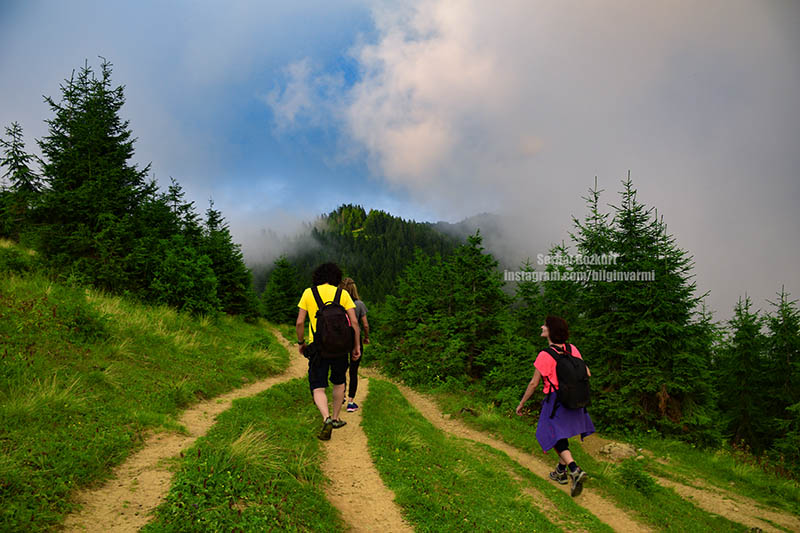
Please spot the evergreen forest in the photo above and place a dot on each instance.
(441, 312)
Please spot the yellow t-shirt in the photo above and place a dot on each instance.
(326, 292)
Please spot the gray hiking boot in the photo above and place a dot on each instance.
(560, 477)
(577, 478)
(325, 432)
(338, 423)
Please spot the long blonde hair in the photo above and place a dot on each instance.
(350, 286)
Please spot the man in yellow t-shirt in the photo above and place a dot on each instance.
(326, 279)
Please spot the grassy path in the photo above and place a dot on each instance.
(735, 507)
(605, 510)
(356, 489)
(125, 503)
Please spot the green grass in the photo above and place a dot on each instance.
(84, 376)
(720, 468)
(256, 470)
(629, 485)
(447, 484)
(288, 332)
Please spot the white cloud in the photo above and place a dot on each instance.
(514, 107)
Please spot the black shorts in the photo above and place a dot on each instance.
(318, 372)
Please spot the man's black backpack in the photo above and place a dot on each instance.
(573, 380)
(334, 336)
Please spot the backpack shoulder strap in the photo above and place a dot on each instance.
(317, 298)
(338, 296)
(555, 354)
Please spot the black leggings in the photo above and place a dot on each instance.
(353, 371)
(561, 445)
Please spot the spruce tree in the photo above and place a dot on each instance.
(282, 292)
(479, 304)
(647, 344)
(234, 280)
(783, 379)
(741, 378)
(93, 189)
(528, 306)
(21, 184)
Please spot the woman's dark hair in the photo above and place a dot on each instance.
(558, 328)
(327, 273)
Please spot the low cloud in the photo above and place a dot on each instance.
(515, 108)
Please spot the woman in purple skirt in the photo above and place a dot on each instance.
(555, 428)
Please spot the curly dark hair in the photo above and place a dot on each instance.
(558, 328)
(327, 273)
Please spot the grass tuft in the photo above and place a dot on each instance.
(241, 478)
(255, 449)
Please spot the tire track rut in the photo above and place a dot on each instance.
(603, 509)
(356, 489)
(125, 502)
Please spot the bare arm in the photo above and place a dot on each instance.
(534, 382)
(354, 322)
(366, 329)
(299, 327)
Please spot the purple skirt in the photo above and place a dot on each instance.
(565, 424)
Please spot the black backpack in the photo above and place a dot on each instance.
(573, 380)
(334, 336)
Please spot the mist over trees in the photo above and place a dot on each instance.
(659, 362)
(441, 312)
(371, 246)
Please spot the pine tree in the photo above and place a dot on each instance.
(740, 372)
(17, 162)
(93, 189)
(528, 307)
(560, 293)
(234, 280)
(783, 356)
(648, 349)
(23, 184)
(479, 304)
(783, 379)
(282, 292)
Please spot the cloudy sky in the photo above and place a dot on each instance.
(439, 110)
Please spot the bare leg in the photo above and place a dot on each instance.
(338, 396)
(565, 457)
(321, 401)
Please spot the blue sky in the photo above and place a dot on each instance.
(439, 110)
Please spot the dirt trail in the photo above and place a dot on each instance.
(734, 507)
(356, 489)
(603, 509)
(139, 484)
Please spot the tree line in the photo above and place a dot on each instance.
(373, 247)
(445, 315)
(95, 219)
(659, 362)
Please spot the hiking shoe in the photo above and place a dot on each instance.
(352, 406)
(560, 477)
(338, 423)
(577, 477)
(325, 432)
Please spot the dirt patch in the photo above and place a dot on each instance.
(607, 450)
(734, 507)
(356, 489)
(603, 509)
(125, 503)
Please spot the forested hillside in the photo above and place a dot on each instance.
(373, 247)
(96, 219)
(660, 364)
